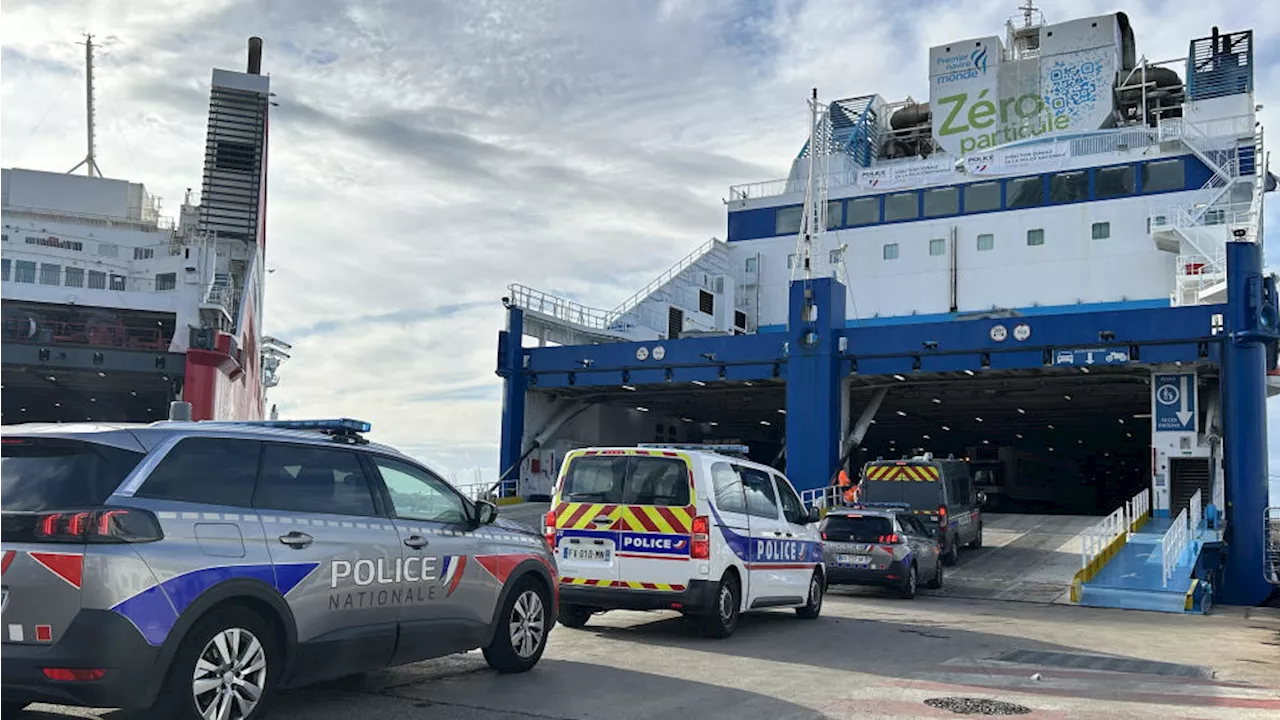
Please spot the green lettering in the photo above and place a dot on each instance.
(947, 127)
(1037, 105)
(1004, 109)
(986, 140)
(966, 144)
(1062, 122)
(982, 114)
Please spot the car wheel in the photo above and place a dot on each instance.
(522, 630)
(723, 618)
(813, 606)
(977, 542)
(935, 583)
(908, 590)
(574, 616)
(227, 667)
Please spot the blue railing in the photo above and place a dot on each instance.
(1220, 65)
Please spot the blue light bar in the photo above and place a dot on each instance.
(335, 425)
(708, 447)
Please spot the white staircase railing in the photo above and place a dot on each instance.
(823, 498)
(562, 309)
(1137, 509)
(1098, 541)
(1197, 513)
(681, 265)
(1172, 546)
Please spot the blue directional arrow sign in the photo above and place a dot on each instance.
(1175, 402)
(1090, 356)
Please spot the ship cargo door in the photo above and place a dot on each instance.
(1186, 476)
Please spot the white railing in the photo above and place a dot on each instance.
(1197, 513)
(1228, 128)
(681, 265)
(1172, 546)
(1137, 508)
(1096, 540)
(821, 498)
(561, 309)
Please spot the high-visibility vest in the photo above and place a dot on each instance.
(844, 479)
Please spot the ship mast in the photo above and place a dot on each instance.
(89, 162)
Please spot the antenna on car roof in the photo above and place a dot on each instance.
(180, 411)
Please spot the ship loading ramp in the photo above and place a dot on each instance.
(1199, 444)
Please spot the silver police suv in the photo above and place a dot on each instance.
(196, 567)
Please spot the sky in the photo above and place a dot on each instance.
(425, 154)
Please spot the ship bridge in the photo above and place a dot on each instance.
(1067, 293)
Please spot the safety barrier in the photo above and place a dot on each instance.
(1172, 546)
(1099, 543)
(1271, 557)
(823, 498)
(1138, 510)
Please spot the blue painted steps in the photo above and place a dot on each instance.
(1132, 578)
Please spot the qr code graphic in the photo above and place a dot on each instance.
(1074, 88)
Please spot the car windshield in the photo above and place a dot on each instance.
(856, 528)
(47, 474)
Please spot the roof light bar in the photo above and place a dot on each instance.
(723, 449)
(334, 425)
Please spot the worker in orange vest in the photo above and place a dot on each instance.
(850, 491)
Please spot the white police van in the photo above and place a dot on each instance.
(690, 528)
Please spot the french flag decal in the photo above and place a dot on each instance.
(451, 573)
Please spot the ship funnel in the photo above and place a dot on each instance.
(255, 56)
(180, 411)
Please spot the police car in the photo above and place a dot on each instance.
(881, 544)
(691, 528)
(195, 567)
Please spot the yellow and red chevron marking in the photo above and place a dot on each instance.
(627, 518)
(664, 587)
(918, 473)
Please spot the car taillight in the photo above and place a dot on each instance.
(700, 548)
(890, 539)
(824, 536)
(74, 674)
(105, 525)
(549, 529)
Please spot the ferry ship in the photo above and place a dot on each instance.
(111, 311)
(1050, 266)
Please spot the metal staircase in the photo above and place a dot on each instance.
(646, 315)
(1198, 232)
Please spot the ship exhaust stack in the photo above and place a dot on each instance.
(255, 56)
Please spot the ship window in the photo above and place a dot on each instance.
(941, 201)
(117, 282)
(166, 281)
(1025, 192)
(1113, 181)
(108, 250)
(4, 269)
(1101, 230)
(1069, 187)
(50, 274)
(986, 241)
(891, 251)
(143, 253)
(753, 264)
(1035, 237)
(74, 277)
(982, 197)
(835, 214)
(234, 156)
(97, 280)
(786, 221)
(864, 211)
(1164, 175)
(24, 271)
(937, 246)
(902, 206)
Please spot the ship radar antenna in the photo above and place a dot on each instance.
(90, 162)
(814, 220)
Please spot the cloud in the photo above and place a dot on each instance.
(426, 154)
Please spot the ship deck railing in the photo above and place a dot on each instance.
(146, 224)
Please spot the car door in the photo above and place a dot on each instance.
(655, 525)
(586, 507)
(446, 605)
(765, 558)
(801, 552)
(729, 509)
(922, 544)
(330, 541)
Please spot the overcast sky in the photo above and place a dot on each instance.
(426, 154)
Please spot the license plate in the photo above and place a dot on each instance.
(588, 553)
(853, 559)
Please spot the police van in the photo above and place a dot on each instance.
(692, 528)
(940, 492)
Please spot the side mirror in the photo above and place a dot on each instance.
(814, 515)
(486, 512)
